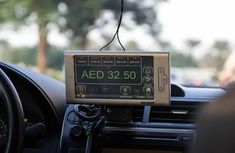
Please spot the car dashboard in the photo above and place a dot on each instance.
(152, 129)
(167, 129)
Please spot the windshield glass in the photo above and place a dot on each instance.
(198, 33)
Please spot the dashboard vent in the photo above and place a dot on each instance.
(137, 113)
(178, 112)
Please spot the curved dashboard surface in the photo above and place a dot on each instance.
(43, 101)
(156, 128)
(150, 129)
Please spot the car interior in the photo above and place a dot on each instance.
(43, 120)
(119, 101)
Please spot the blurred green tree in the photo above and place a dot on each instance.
(79, 17)
(26, 12)
(181, 60)
(191, 43)
(24, 55)
(165, 45)
(222, 45)
(28, 56)
(55, 58)
(220, 50)
(143, 12)
(5, 51)
(191, 46)
(75, 17)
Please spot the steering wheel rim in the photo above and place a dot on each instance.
(15, 116)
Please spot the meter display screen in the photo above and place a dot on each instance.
(115, 77)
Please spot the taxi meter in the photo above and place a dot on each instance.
(124, 78)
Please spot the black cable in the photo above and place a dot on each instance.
(90, 117)
(117, 31)
(88, 143)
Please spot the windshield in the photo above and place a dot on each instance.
(198, 33)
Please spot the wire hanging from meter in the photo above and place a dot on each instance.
(117, 31)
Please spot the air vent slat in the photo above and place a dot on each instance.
(137, 113)
(179, 112)
(169, 120)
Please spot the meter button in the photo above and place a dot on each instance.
(81, 89)
(148, 90)
(148, 80)
(125, 89)
(148, 70)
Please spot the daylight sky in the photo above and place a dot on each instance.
(205, 20)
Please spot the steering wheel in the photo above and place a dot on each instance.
(15, 118)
